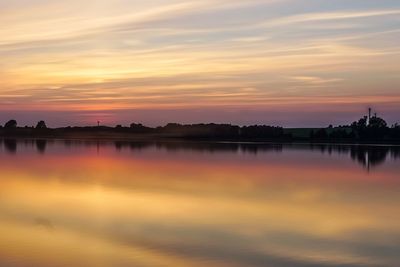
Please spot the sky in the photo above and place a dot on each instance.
(283, 62)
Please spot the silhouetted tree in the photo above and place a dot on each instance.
(41, 125)
(134, 125)
(377, 128)
(139, 128)
(377, 122)
(11, 124)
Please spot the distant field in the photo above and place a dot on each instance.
(305, 132)
(300, 132)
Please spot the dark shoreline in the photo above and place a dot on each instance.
(368, 130)
(180, 139)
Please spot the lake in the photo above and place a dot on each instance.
(88, 203)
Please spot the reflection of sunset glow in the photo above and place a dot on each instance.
(157, 208)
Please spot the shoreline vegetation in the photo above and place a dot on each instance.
(369, 129)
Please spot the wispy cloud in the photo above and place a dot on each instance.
(128, 54)
(315, 80)
(325, 16)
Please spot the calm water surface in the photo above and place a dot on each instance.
(70, 203)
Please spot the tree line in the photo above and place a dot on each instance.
(365, 129)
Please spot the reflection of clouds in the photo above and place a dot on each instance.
(245, 231)
(45, 223)
(209, 242)
(176, 205)
(269, 248)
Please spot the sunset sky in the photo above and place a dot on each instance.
(284, 62)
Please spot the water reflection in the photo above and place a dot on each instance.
(369, 156)
(41, 146)
(100, 204)
(10, 145)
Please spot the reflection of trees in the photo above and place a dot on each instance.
(118, 145)
(395, 153)
(207, 147)
(41, 146)
(10, 145)
(369, 156)
(264, 148)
